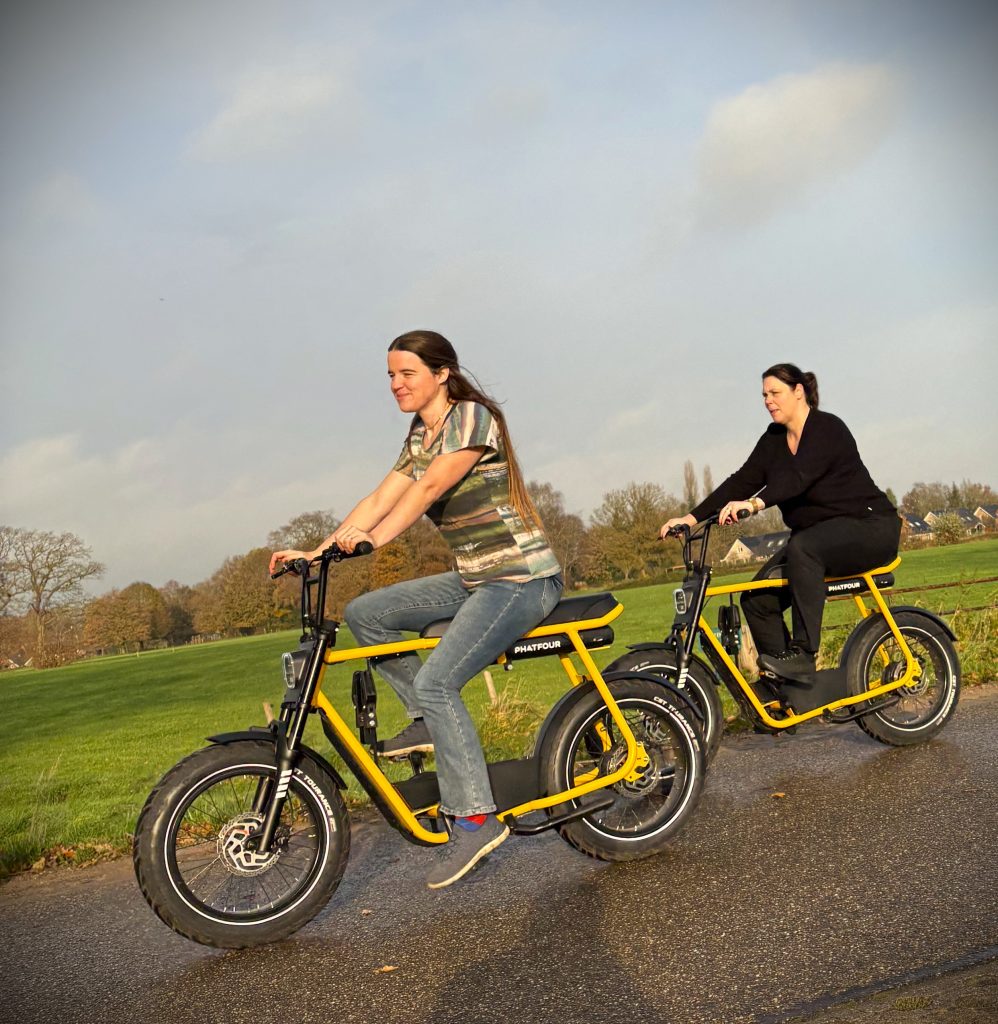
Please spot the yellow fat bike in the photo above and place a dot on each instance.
(898, 676)
(246, 840)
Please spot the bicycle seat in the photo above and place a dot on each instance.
(883, 577)
(568, 609)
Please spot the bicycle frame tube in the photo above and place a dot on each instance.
(911, 671)
(392, 800)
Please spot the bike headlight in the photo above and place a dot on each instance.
(293, 664)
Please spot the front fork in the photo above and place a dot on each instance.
(288, 730)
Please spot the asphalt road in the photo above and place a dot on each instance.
(877, 867)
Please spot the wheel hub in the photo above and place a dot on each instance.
(236, 849)
(640, 780)
(896, 671)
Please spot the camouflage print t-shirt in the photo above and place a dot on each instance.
(476, 517)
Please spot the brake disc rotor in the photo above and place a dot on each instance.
(235, 851)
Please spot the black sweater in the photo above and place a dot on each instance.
(826, 478)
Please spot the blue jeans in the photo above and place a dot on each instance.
(487, 619)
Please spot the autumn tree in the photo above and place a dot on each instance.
(624, 534)
(178, 603)
(565, 530)
(427, 551)
(249, 597)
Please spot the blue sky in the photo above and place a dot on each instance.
(214, 218)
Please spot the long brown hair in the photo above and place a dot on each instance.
(792, 375)
(438, 354)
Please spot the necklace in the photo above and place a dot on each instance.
(428, 432)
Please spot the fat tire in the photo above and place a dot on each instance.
(162, 881)
(925, 707)
(700, 686)
(642, 702)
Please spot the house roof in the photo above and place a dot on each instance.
(916, 524)
(762, 545)
(991, 510)
(963, 514)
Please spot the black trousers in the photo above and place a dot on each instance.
(834, 547)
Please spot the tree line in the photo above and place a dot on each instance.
(45, 618)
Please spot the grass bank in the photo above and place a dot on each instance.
(85, 743)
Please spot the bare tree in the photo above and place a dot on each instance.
(49, 570)
(691, 492)
(8, 581)
(708, 482)
(305, 532)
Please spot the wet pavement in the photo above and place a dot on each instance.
(825, 878)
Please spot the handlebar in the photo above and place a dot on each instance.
(683, 530)
(334, 553)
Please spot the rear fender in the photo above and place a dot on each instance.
(877, 621)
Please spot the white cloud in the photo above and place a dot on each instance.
(169, 507)
(772, 141)
(270, 112)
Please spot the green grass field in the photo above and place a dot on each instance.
(84, 744)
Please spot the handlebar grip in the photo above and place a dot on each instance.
(337, 554)
(743, 513)
(296, 565)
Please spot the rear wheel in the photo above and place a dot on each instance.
(662, 791)
(924, 706)
(698, 686)
(195, 858)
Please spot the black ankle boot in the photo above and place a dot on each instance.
(792, 663)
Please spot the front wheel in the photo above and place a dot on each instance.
(699, 686)
(194, 855)
(651, 804)
(925, 705)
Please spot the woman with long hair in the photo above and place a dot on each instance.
(807, 463)
(458, 467)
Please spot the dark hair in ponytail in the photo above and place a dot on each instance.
(438, 354)
(792, 375)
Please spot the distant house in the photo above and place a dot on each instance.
(756, 549)
(987, 516)
(970, 522)
(915, 527)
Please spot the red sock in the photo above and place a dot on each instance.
(472, 822)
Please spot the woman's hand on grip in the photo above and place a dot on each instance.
(278, 558)
(670, 524)
(346, 538)
(732, 512)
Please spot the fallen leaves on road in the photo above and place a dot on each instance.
(387, 969)
(777, 796)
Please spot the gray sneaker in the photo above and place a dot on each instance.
(414, 737)
(464, 850)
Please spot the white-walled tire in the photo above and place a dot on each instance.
(698, 686)
(925, 706)
(198, 872)
(656, 800)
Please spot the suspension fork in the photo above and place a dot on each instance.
(689, 620)
(288, 733)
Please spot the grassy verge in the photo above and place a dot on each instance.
(84, 744)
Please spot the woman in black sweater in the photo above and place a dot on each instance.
(840, 522)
